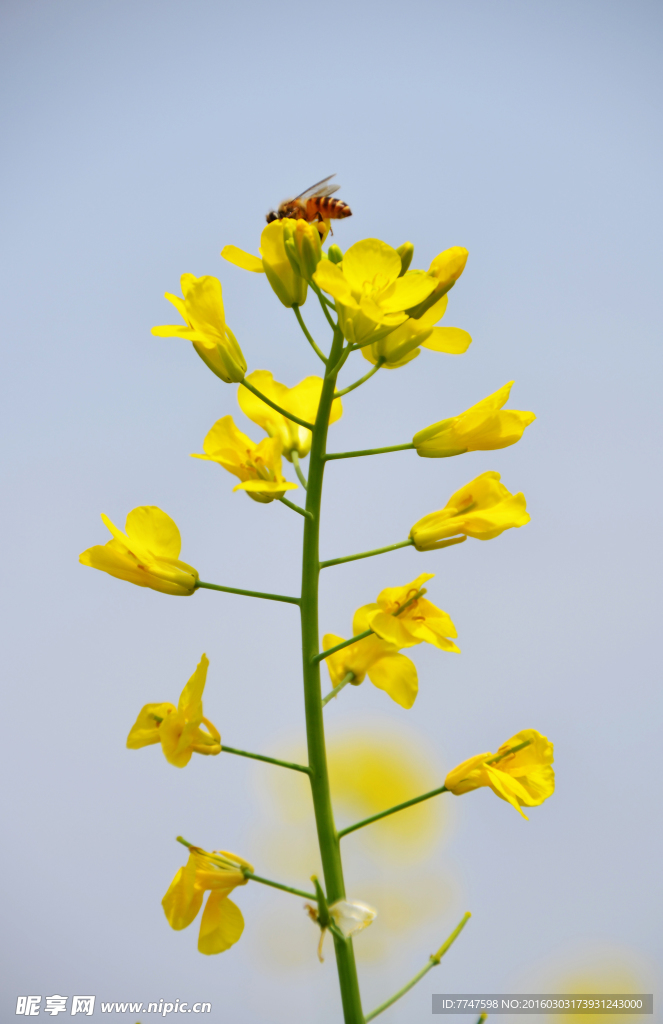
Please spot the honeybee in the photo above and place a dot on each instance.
(313, 205)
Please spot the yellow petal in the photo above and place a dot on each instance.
(332, 280)
(221, 924)
(245, 260)
(192, 694)
(145, 730)
(392, 629)
(507, 788)
(116, 563)
(397, 676)
(408, 291)
(451, 340)
(174, 736)
(183, 900)
(368, 260)
(272, 487)
(225, 435)
(155, 531)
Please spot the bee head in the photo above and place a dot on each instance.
(271, 216)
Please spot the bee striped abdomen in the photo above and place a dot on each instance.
(327, 207)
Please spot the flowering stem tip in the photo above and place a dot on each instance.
(383, 310)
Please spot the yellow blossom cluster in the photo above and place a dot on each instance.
(388, 311)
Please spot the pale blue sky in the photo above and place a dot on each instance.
(139, 138)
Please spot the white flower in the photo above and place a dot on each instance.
(351, 916)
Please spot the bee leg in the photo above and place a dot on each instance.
(320, 219)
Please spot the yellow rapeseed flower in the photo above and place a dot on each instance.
(302, 401)
(519, 773)
(219, 873)
(483, 427)
(386, 668)
(404, 617)
(371, 295)
(206, 328)
(402, 344)
(178, 728)
(286, 281)
(147, 555)
(483, 509)
(258, 466)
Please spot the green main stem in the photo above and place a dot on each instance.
(327, 836)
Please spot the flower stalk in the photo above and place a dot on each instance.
(391, 810)
(269, 760)
(328, 839)
(247, 593)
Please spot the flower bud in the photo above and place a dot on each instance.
(446, 268)
(286, 281)
(303, 246)
(406, 252)
(335, 253)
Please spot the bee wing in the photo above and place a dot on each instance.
(321, 188)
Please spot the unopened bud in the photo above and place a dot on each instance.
(303, 247)
(406, 252)
(446, 268)
(335, 253)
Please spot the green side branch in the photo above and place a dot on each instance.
(294, 455)
(268, 760)
(362, 380)
(246, 593)
(369, 451)
(391, 810)
(278, 885)
(433, 961)
(296, 508)
(367, 554)
(339, 647)
(330, 320)
(349, 676)
(284, 412)
(307, 334)
(336, 369)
